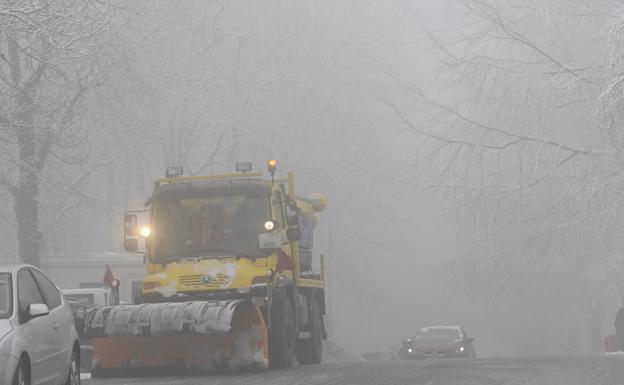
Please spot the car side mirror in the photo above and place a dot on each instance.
(469, 340)
(37, 310)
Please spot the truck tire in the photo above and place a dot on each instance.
(283, 339)
(310, 350)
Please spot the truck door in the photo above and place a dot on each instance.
(278, 206)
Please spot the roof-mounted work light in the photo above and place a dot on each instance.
(243, 166)
(175, 171)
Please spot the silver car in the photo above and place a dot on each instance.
(38, 341)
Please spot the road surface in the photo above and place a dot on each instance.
(597, 370)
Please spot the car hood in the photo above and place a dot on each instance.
(5, 327)
(443, 345)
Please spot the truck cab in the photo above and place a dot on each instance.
(236, 236)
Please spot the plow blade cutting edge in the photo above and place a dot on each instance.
(198, 335)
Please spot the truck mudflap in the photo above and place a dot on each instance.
(199, 335)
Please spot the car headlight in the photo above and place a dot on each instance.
(410, 350)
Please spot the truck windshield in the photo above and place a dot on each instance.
(207, 225)
(6, 302)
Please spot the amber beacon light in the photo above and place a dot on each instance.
(272, 164)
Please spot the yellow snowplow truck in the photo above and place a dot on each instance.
(230, 283)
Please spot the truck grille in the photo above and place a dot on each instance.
(190, 280)
(196, 282)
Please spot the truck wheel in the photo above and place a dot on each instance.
(282, 339)
(310, 350)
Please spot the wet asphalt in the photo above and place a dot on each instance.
(596, 370)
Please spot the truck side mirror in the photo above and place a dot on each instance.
(131, 244)
(131, 232)
(292, 214)
(131, 225)
(293, 234)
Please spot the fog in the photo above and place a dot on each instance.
(469, 150)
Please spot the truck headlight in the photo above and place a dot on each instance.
(145, 232)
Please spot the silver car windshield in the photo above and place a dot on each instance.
(6, 298)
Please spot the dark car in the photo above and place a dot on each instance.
(438, 341)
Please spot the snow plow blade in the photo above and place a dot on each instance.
(193, 336)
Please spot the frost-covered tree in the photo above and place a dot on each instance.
(51, 56)
(523, 136)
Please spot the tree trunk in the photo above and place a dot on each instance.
(26, 196)
(26, 190)
(111, 231)
(28, 234)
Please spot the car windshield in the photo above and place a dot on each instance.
(438, 334)
(208, 223)
(5, 295)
